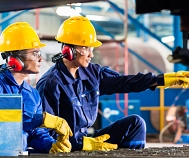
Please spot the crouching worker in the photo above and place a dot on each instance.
(20, 47)
(71, 88)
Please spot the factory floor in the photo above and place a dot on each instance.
(153, 149)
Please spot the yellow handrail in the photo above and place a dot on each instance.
(161, 108)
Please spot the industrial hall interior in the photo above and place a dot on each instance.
(91, 78)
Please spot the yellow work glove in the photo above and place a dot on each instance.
(176, 78)
(90, 144)
(58, 124)
(62, 145)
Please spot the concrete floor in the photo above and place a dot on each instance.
(159, 145)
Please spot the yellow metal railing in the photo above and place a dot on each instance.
(161, 108)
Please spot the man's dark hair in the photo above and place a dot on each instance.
(5, 55)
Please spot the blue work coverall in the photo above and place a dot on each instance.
(37, 138)
(76, 100)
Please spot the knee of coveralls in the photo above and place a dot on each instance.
(128, 132)
(135, 134)
(25, 137)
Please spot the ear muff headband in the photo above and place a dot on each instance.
(68, 52)
(14, 62)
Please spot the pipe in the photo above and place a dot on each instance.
(161, 107)
(117, 69)
(126, 56)
(37, 12)
(163, 130)
(138, 24)
(12, 16)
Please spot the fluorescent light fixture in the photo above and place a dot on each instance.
(68, 11)
(98, 18)
(168, 39)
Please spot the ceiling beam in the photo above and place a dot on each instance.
(15, 5)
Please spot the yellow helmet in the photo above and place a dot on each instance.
(19, 36)
(79, 31)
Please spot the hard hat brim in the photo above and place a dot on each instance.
(96, 44)
(42, 45)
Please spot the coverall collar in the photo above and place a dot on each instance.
(9, 75)
(27, 86)
(69, 79)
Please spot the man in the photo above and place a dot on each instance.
(20, 46)
(71, 88)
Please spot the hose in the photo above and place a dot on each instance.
(163, 130)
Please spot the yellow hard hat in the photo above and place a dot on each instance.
(79, 31)
(19, 36)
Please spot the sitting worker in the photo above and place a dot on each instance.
(71, 88)
(20, 46)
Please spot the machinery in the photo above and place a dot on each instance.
(177, 117)
(181, 55)
(180, 8)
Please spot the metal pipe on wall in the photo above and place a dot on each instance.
(37, 13)
(126, 56)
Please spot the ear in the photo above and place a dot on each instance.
(14, 62)
(69, 52)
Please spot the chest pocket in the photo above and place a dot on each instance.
(29, 110)
(92, 96)
(72, 111)
(91, 100)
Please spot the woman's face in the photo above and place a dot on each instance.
(84, 56)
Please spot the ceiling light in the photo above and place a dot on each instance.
(168, 39)
(98, 18)
(68, 11)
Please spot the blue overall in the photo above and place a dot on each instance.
(38, 138)
(76, 100)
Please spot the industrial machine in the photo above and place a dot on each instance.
(177, 124)
(180, 8)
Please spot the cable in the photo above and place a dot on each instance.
(163, 130)
(58, 56)
(172, 122)
(178, 96)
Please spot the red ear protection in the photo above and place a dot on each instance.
(14, 62)
(69, 52)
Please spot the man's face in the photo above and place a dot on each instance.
(84, 55)
(32, 60)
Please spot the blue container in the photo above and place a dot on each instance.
(184, 139)
(112, 113)
(11, 125)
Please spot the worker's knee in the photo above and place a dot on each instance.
(136, 120)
